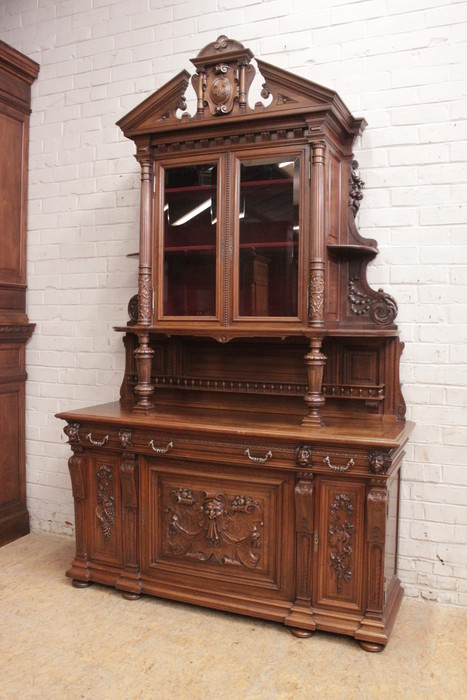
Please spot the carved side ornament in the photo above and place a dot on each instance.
(382, 308)
(356, 185)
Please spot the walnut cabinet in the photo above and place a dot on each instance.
(253, 461)
(17, 73)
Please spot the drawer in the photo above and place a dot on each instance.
(167, 444)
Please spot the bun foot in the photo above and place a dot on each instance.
(130, 596)
(372, 646)
(76, 583)
(300, 633)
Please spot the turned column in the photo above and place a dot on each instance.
(144, 353)
(315, 360)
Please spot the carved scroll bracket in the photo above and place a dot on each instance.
(380, 307)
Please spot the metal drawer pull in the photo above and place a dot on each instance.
(160, 450)
(349, 464)
(258, 460)
(97, 443)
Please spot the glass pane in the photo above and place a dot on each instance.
(190, 240)
(269, 221)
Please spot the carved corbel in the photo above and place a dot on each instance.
(79, 571)
(379, 306)
(376, 509)
(300, 618)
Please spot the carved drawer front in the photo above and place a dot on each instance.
(331, 460)
(339, 543)
(219, 529)
(104, 509)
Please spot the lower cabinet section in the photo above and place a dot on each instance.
(14, 517)
(285, 536)
(220, 537)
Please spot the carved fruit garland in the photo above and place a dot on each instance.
(105, 510)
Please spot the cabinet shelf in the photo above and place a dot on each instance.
(352, 252)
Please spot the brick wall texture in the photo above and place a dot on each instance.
(401, 65)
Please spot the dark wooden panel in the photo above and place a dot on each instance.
(11, 250)
(11, 481)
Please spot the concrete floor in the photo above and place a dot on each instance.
(60, 642)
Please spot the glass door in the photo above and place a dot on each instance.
(268, 237)
(189, 241)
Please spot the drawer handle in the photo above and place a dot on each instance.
(349, 464)
(160, 450)
(97, 443)
(258, 460)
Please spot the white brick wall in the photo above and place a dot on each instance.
(401, 65)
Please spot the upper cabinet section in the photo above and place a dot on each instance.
(248, 210)
(17, 73)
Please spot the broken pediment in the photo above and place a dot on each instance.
(222, 83)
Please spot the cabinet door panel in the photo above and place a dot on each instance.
(221, 529)
(104, 504)
(340, 536)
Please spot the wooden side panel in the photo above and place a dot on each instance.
(12, 249)
(340, 536)
(14, 518)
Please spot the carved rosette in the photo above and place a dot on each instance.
(341, 530)
(105, 510)
(382, 308)
(212, 527)
(356, 185)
